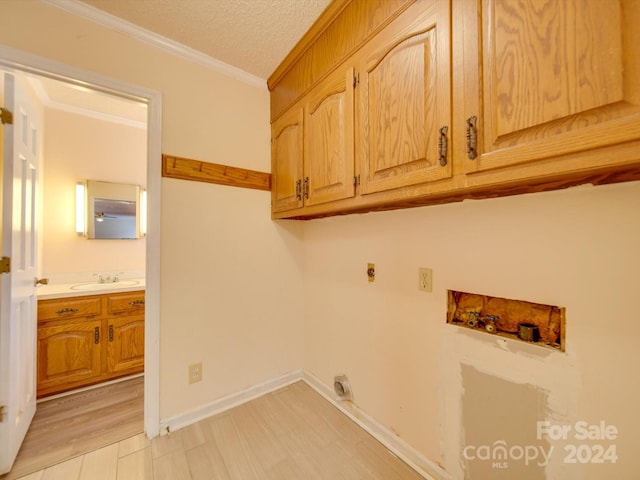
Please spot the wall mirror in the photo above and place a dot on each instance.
(114, 210)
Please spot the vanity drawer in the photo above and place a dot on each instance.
(65, 308)
(125, 302)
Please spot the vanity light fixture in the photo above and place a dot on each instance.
(143, 212)
(81, 208)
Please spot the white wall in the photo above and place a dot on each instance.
(231, 292)
(79, 148)
(576, 248)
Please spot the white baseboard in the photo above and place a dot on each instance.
(228, 402)
(400, 448)
(425, 467)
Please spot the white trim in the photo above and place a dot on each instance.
(230, 401)
(152, 277)
(150, 38)
(36, 84)
(421, 464)
(19, 60)
(90, 387)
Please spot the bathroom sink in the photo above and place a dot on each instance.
(102, 286)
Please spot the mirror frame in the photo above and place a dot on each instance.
(96, 189)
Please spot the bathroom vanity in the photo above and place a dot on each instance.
(89, 335)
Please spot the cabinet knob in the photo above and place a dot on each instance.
(66, 311)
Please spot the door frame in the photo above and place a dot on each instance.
(18, 60)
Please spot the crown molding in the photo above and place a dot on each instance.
(112, 22)
(47, 102)
(105, 117)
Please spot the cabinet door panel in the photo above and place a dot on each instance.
(554, 77)
(125, 345)
(68, 355)
(403, 102)
(328, 152)
(286, 161)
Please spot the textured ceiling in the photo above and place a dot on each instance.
(252, 35)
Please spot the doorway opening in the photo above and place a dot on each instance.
(45, 70)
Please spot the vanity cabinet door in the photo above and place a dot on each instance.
(125, 345)
(69, 355)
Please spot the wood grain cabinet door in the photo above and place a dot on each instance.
(69, 355)
(286, 161)
(125, 344)
(545, 78)
(328, 139)
(404, 102)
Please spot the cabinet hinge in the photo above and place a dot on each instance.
(5, 265)
(6, 116)
(298, 190)
(356, 80)
(2, 407)
(356, 180)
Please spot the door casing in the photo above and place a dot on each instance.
(14, 59)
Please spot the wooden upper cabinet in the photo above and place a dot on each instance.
(544, 78)
(328, 140)
(404, 103)
(286, 161)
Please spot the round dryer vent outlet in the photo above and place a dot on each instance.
(342, 387)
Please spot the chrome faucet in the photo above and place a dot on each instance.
(107, 278)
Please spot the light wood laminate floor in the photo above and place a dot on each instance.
(72, 425)
(290, 434)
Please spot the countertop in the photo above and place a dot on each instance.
(63, 290)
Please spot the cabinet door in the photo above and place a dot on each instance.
(545, 78)
(286, 161)
(328, 140)
(404, 102)
(68, 355)
(125, 344)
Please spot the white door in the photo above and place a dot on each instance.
(18, 307)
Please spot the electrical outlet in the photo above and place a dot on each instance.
(371, 272)
(195, 372)
(425, 280)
